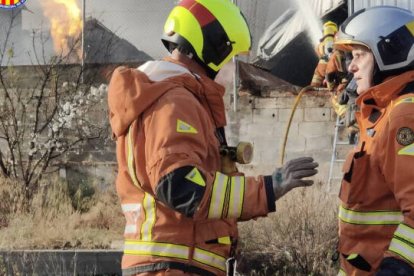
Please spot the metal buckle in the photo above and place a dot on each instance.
(231, 265)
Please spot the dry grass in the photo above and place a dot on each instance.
(10, 200)
(299, 239)
(54, 223)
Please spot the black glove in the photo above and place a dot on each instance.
(394, 267)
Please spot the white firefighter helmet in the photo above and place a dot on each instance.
(387, 31)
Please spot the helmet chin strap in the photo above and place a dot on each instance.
(190, 54)
(209, 72)
(377, 76)
(380, 76)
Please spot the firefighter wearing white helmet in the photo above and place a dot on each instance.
(376, 215)
(180, 204)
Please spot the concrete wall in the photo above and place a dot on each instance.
(263, 122)
(260, 121)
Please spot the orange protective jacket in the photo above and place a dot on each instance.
(165, 118)
(335, 72)
(320, 69)
(319, 73)
(376, 215)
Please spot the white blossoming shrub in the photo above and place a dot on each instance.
(40, 125)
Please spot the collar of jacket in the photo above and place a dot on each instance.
(384, 92)
(209, 92)
(381, 95)
(131, 92)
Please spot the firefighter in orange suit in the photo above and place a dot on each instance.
(336, 81)
(336, 73)
(324, 51)
(376, 215)
(168, 117)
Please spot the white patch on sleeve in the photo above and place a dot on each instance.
(132, 212)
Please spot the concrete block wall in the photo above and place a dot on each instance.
(263, 122)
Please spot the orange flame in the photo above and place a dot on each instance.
(65, 25)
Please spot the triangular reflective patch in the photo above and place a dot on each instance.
(352, 256)
(184, 127)
(195, 176)
(408, 150)
(224, 240)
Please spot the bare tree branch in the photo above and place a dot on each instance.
(43, 125)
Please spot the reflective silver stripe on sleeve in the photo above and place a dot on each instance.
(371, 217)
(403, 249)
(237, 186)
(218, 195)
(405, 232)
(148, 224)
(209, 258)
(148, 204)
(156, 249)
(130, 160)
(137, 247)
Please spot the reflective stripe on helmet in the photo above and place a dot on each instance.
(161, 249)
(203, 15)
(370, 218)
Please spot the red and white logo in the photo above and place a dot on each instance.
(11, 4)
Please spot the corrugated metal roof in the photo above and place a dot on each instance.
(264, 15)
(360, 4)
(297, 18)
(290, 40)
